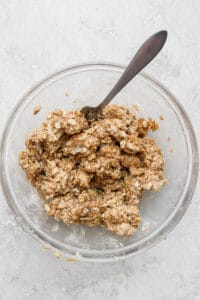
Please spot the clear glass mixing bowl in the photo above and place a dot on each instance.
(73, 88)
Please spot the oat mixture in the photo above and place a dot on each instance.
(94, 173)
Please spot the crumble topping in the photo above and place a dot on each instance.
(94, 173)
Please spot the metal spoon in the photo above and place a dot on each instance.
(144, 55)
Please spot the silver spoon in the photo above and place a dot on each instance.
(144, 55)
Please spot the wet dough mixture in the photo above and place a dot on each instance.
(94, 174)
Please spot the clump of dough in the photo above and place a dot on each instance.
(94, 173)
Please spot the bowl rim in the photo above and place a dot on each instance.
(156, 235)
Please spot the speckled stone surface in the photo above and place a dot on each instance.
(39, 37)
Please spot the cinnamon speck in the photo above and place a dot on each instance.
(168, 138)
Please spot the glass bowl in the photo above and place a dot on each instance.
(73, 88)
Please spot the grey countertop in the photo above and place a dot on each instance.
(39, 37)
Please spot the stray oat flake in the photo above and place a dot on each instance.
(36, 110)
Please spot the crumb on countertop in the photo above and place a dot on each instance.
(171, 150)
(46, 247)
(57, 254)
(116, 258)
(71, 259)
(161, 117)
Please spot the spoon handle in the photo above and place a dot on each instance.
(144, 55)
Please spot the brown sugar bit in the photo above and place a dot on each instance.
(94, 174)
(161, 117)
(36, 110)
(135, 107)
